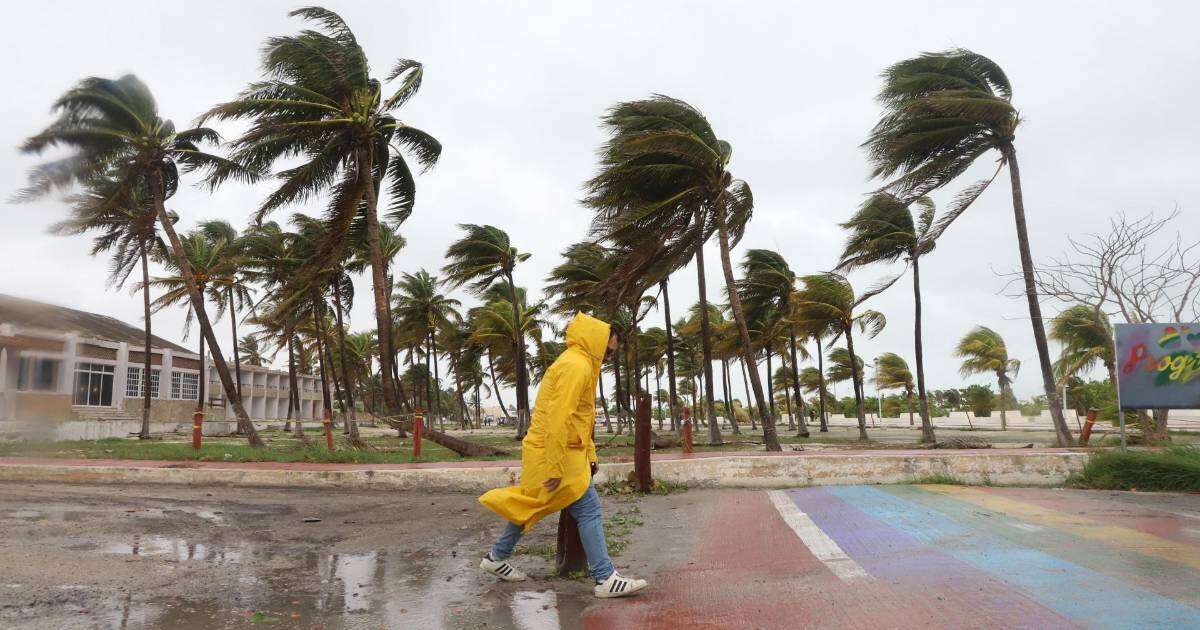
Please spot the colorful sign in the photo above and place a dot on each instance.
(1158, 365)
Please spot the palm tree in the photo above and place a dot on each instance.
(318, 101)
(128, 230)
(225, 281)
(421, 308)
(826, 302)
(768, 282)
(813, 381)
(1086, 338)
(663, 189)
(252, 350)
(113, 132)
(885, 231)
(839, 370)
(942, 111)
(983, 352)
(891, 372)
(481, 259)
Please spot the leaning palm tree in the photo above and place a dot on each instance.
(663, 189)
(826, 302)
(942, 111)
(227, 281)
(839, 369)
(129, 231)
(891, 372)
(319, 102)
(983, 352)
(481, 259)
(253, 351)
(1086, 338)
(885, 231)
(768, 281)
(113, 132)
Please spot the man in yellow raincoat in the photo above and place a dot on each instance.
(558, 460)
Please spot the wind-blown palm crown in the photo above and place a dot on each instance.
(1085, 336)
(839, 369)
(893, 372)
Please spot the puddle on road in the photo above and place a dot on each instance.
(293, 586)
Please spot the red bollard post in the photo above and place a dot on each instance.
(418, 427)
(328, 430)
(1086, 434)
(687, 430)
(197, 421)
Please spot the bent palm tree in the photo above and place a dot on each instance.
(1086, 337)
(884, 230)
(983, 352)
(942, 111)
(129, 230)
(663, 189)
(892, 373)
(826, 302)
(113, 131)
(481, 259)
(319, 102)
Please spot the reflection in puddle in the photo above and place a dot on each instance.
(177, 549)
(535, 610)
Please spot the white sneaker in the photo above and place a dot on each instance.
(501, 569)
(617, 586)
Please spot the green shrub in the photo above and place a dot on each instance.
(1176, 468)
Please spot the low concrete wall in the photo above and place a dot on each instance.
(1032, 468)
(100, 429)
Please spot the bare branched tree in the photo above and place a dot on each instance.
(1137, 272)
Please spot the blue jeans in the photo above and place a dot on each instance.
(586, 512)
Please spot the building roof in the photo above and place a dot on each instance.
(25, 313)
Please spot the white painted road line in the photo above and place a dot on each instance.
(820, 544)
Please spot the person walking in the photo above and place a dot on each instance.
(558, 461)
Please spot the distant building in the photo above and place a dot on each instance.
(58, 364)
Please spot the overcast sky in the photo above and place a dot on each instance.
(514, 92)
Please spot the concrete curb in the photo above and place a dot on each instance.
(732, 471)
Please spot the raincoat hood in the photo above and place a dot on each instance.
(588, 334)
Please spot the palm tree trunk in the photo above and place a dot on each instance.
(1061, 430)
(339, 390)
(326, 399)
(495, 385)
(1003, 404)
(927, 436)
(379, 280)
(144, 434)
(296, 395)
(908, 394)
(519, 352)
(787, 400)
(206, 330)
(803, 425)
(616, 359)
(857, 377)
(429, 404)
(203, 377)
(658, 392)
(671, 356)
(728, 403)
(237, 358)
(292, 406)
(770, 385)
(821, 394)
(710, 407)
(608, 428)
(746, 388)
(437, 384)
(351, 418)
(770, 439)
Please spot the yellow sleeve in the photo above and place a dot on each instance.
(572, 383)
(590, 441)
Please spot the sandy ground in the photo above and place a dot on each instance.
(178, 557)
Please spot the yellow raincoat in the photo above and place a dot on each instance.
(559, 441)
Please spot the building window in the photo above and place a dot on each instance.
(93, 384)
(133, 383)
(37, 374)
(185, 385)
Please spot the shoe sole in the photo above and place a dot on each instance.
(607, 595)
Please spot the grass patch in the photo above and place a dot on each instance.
(618, 529)
(629, 488)
(543, 550)
(940, 479)
(1174, 469)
